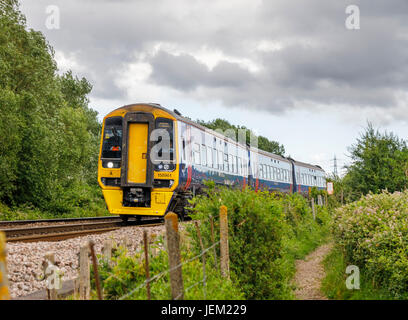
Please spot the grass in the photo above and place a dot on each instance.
(334, 284)
(24, 212)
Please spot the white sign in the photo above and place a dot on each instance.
(330, 188)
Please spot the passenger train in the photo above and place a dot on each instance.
(135, 183)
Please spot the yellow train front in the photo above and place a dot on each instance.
(132, 183)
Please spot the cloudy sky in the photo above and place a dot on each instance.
(289, 69)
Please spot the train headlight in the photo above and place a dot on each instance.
(110, 165)
(160, 166)
(166, 167)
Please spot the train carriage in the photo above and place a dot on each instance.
(153, 160)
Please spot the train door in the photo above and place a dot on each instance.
(137, 154)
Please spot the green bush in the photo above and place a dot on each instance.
(267, 232)
(373, 234)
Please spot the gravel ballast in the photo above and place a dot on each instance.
(24, 259)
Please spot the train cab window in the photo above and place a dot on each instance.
(203, 155)
(196, 153)
(166, 124)
(112, 138)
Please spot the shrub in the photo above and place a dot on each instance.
(267, 231)
(372, 232)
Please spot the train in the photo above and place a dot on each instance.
(153, 160)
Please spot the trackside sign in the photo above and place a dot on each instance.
(330, 188)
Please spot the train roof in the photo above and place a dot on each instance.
(307, 165)
(178, 116)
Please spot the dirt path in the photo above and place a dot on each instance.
(309, 274)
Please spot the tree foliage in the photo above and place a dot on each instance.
(380, 161)
(48, 135)
(263, 142)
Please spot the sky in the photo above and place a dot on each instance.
(291, 70)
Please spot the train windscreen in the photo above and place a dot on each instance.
(112, 140)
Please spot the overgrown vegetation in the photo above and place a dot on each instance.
(267, 233)
(372, 233)
(49, 137)
(125, 278)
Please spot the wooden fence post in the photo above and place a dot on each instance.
(91, 245)
(146, 254)
(213, 241)
(320, 200)
(76, 288)
(4, 290)
(313, 209)
(84, 273)
(107, 252)
(173, 250)
(224, 251)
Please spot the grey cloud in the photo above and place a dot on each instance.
(184, 72)
(321, 62)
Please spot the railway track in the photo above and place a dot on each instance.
(61, 229)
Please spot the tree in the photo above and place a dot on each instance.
(379, 161)
(48, 134)
(263, 142)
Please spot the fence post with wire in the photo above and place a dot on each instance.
(224, 249)
(173, 247)
(174, 270)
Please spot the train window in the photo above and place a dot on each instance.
(112, 138)
(184, 149)
(196, 152)
(226, 167)
(260, 171)
(203, 155)
(214, 155)
(239, 165)
(220, 160)
(231, 163)
(270, 172)
(210, 157)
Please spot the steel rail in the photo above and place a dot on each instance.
(66, 231)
